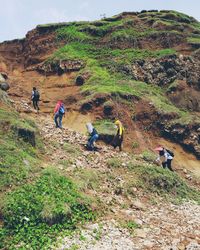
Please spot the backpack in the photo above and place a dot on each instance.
(170, 152)
(61, 110)
(36, 95)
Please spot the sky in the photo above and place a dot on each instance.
(19, 16)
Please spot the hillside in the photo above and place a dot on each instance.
(139, 67)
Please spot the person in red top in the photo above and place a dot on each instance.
(59, 112)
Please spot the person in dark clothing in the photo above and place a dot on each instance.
(93, 136)
(35, 98)
(165, 157)
(118, 139)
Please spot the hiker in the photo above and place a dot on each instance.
(165, 156)
(93, 137)
(59, 112)
(35, 98)
(118, 139)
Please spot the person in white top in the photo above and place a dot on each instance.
(165, 157)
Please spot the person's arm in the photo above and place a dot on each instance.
(166, 156)
(158, 159)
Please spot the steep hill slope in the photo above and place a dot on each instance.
(139, 67)
(144, 64)
(56, 195)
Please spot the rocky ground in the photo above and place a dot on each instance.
(159, 226)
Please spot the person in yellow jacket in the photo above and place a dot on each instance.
(118, 139)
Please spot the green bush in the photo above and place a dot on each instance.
(72, 33)
(36, 212)
(164, 182)
(148, 156)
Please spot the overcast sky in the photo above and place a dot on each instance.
(19, 16)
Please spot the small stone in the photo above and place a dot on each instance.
(138, 205)
(140, 233)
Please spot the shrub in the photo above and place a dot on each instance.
(35, 212)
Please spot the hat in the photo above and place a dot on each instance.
(117, 122)
(159, 148)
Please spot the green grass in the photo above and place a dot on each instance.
(130, 225)
(18, 159)
(87, 179)
(148, 156)
(114, 162)
(35, 213)
(105, 127)
(130, 34)
(165, 183)
(12, 119)
(71, 149)
(195, 40)
(72, 33)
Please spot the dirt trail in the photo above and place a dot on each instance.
(53, 88)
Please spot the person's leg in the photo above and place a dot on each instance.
(120, 144)
(56, 120)
(89, 143)
(92, 140)
(169, 165)
(34, 105)
(60, 120)
(164, 164)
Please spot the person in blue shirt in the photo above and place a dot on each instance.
(93, 136)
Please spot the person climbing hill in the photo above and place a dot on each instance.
(118, 139)
(35, 97)
(165, 156)
(93, 137)
(59, 112)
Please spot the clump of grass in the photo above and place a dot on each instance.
(164, 183)
(114, 163)
(72, 33)
(71, 149)
(105, 127)
(35, 213)
(195, 40)
(172, 87)
(135, 144)
(87, 179)
(18, 159)
(148, 156)
(130, 225)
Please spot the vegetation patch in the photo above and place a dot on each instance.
(105, 127)
(130, 225)
(114, 163)
(35, 213)
(18, 160)
(165, 183)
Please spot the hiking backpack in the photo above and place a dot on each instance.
(61, 110)
(36, 95)
(170, 152)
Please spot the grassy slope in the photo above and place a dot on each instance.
(42, 204)
(33, 199)
(102, 63)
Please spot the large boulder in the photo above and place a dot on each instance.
(4, 86)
